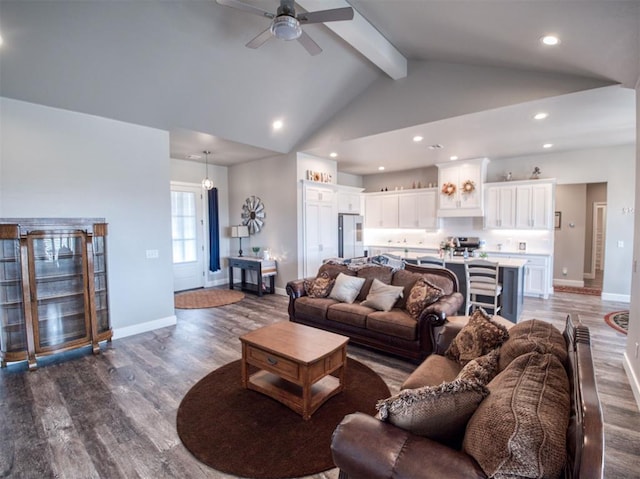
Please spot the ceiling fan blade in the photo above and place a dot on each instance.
(246, 7)
(260, 39)
(311, 46)
(321, 16)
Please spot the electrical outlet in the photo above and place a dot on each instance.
(565, 271)
(152, 254)
(636, 349)
(620, 244)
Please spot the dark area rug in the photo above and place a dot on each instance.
(207, 298)
(248, 434)
(618, 320)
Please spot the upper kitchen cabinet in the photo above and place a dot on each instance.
(349, 200)
(418, 210)
(534, 203)
(381, 210)
(461, 187)
(519, 205)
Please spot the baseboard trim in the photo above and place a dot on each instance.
(568, 282)
(281, 291)
(621, 298)
(633, 379)
(119, 333)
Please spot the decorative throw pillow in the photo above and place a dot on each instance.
(477, 338)
(439, 412)
(382, 296)
(319, 287)
(520, 429)
(482, 369)
(423, 293)
(533, 335)
(346, 288)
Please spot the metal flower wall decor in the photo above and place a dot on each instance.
(253, 214)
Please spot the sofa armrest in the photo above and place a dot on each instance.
(436, 313)
(365, 448)
(295, 288)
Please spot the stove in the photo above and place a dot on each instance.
(470, 243)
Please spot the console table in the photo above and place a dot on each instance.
(263, 268)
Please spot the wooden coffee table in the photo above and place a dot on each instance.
(294, 364)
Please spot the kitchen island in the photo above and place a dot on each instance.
(511, 277)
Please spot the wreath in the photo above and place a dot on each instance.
(448, 189)
(468, 186)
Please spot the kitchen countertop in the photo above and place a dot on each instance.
(504, 262)
(434, 249)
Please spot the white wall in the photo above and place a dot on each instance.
(274, 181)
(193, 172)
(57, 163)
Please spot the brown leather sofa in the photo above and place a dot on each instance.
(395, 331)
(364, 447)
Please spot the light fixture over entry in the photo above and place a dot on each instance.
(207, 184)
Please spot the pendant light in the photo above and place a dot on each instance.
(207, 184)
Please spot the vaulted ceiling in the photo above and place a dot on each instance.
(182, 66)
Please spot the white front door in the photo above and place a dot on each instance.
(187, 225)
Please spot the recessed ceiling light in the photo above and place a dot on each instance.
(418, 138)
(453, 158)
(277, 125)
(437, 146)
(380, 168)
(540, 116)
(333, 154)
(547, 145)
(550, 40)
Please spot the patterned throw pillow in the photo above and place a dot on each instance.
(319, 287)
(423, 293)
(477, 338)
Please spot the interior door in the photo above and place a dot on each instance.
(187, 233)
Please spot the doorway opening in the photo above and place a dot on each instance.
(595, 246)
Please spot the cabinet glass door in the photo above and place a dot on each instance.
(12, 321)
(100, 283)
(60, 294)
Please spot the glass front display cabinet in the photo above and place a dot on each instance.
(53, 287)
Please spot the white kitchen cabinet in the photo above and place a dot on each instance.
(418, 210)
(537, 276)
(381, 211)
(462, 202)
(320, 226)
(500, 207)
(349, 201)
(535, 205)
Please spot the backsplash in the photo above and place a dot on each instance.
(536, 241)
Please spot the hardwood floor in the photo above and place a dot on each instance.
(113, 415)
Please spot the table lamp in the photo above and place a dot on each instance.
(240, 232)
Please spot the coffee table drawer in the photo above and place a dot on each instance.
(273, 362)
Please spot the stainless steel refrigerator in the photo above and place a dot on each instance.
(350, 243)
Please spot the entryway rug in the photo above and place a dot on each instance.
(577, 290)
(207, 298)
(618, 320)
(248, 434)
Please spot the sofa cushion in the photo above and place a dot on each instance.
(441, 412)
(531, 398)
(370, 272)
(382, 296)
(349, 313)
(313, 307)
(477, 338)
(406, 279)
(320, 286)
(533, 335)
(333, 270)
(422, 294)
(396, 322)
(346, 288)
(434, 370)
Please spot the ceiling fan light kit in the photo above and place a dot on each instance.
(285, 24)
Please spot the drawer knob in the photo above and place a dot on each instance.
(272, 361)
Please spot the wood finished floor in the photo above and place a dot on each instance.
(113, 415)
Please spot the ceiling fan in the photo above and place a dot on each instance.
(285, 24)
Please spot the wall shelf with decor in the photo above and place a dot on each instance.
(53, 287)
